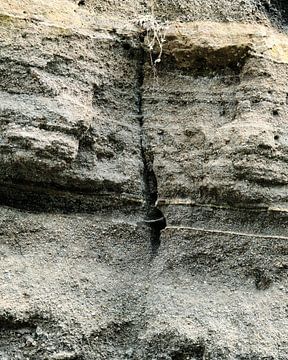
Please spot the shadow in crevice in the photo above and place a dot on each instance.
(277, 11)
(156, 222)
(154, 218)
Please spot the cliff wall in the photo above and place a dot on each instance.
(143, 182)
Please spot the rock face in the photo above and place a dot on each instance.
(143, 182)
(57, 129)
(230, 100)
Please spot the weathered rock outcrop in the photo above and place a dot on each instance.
(143, 204)
(68, 107)
(226, 88)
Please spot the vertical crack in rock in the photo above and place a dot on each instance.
(154, 217)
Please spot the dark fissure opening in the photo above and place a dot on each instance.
(154, 218)
(277, 10)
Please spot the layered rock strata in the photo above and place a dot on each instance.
(143, 190)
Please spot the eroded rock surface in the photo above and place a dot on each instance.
(220, 108)
(57, 129)
(143, 205)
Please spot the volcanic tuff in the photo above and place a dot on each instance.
(143, 183)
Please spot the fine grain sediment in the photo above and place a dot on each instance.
(143, 206)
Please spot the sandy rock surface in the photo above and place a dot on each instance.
(143, 182)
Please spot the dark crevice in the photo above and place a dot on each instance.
(157, 222)
(224, 64)
(9, 321)
(11, 324)
(39, 198)
(277, 11)
(262, 280)
(195, 351)
(154, 218)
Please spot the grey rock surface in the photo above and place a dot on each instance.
(143, 183)
(68, 108)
